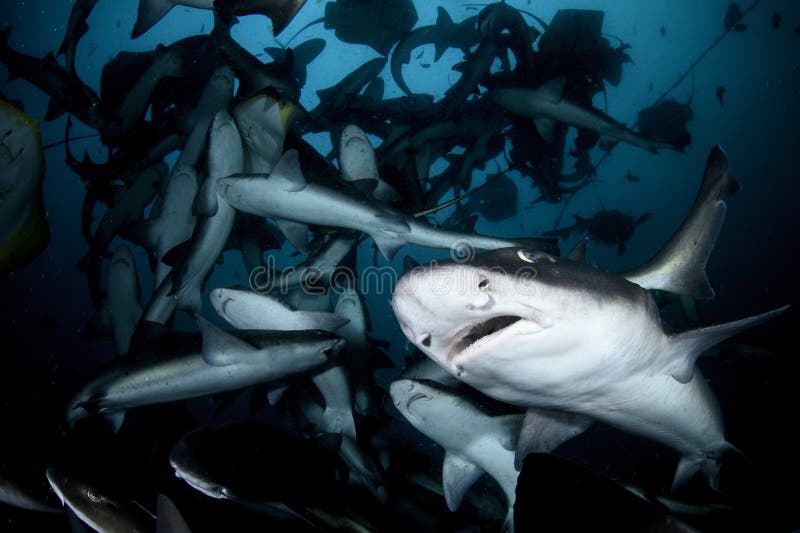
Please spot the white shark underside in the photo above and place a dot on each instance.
(538, 331)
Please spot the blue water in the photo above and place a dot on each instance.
(752, 268)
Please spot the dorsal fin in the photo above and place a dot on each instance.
(578, 253)
(288, 172)
(552, 90)
(220, 348)
(679, 266)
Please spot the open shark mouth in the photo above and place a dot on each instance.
(480, 331)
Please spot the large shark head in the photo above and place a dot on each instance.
(514, 316)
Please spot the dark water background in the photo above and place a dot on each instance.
(753, 268)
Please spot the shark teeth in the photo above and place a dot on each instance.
(479, 331)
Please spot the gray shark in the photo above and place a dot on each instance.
(121, 310)
(546, 107)
(357, 162)
(443, 35)
(127, 206)
(361, 357)
(474, 442)
(174, 222)
(533, 330)
(97, 508)
(182, 288)
(216, 96)
(76, 28)
(249, 310)
(318, 268)
(338, 95)
(245, 309)
(286, 196)
(280, 12)
(176, 367)
(364, 471)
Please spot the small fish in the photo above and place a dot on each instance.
(631, 177)
(663, 32)
(721, 95)
(776, 20)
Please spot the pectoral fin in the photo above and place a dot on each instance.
(220, 348)
(458, 475)
(689, 345)
(295, 232)
(544, 430)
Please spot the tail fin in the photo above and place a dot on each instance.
(150, 12)
(708, 465)
(689, 466)
(689, 345)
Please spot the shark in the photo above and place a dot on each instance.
(95, 507)
(358, 162)
(475, 442)
(103, 511)
(244, 309)
(76, 29)
(280, 12)
(547, 107)
(127, 204)
(286, 196)
(538, 331)
(318, 268)
(183, 286)
(443, 34)
(169, 366)
(121, 309)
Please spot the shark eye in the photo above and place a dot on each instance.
(93, 496)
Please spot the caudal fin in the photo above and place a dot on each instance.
(150, 12)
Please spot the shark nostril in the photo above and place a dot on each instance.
(483, 283)
(425, 340)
